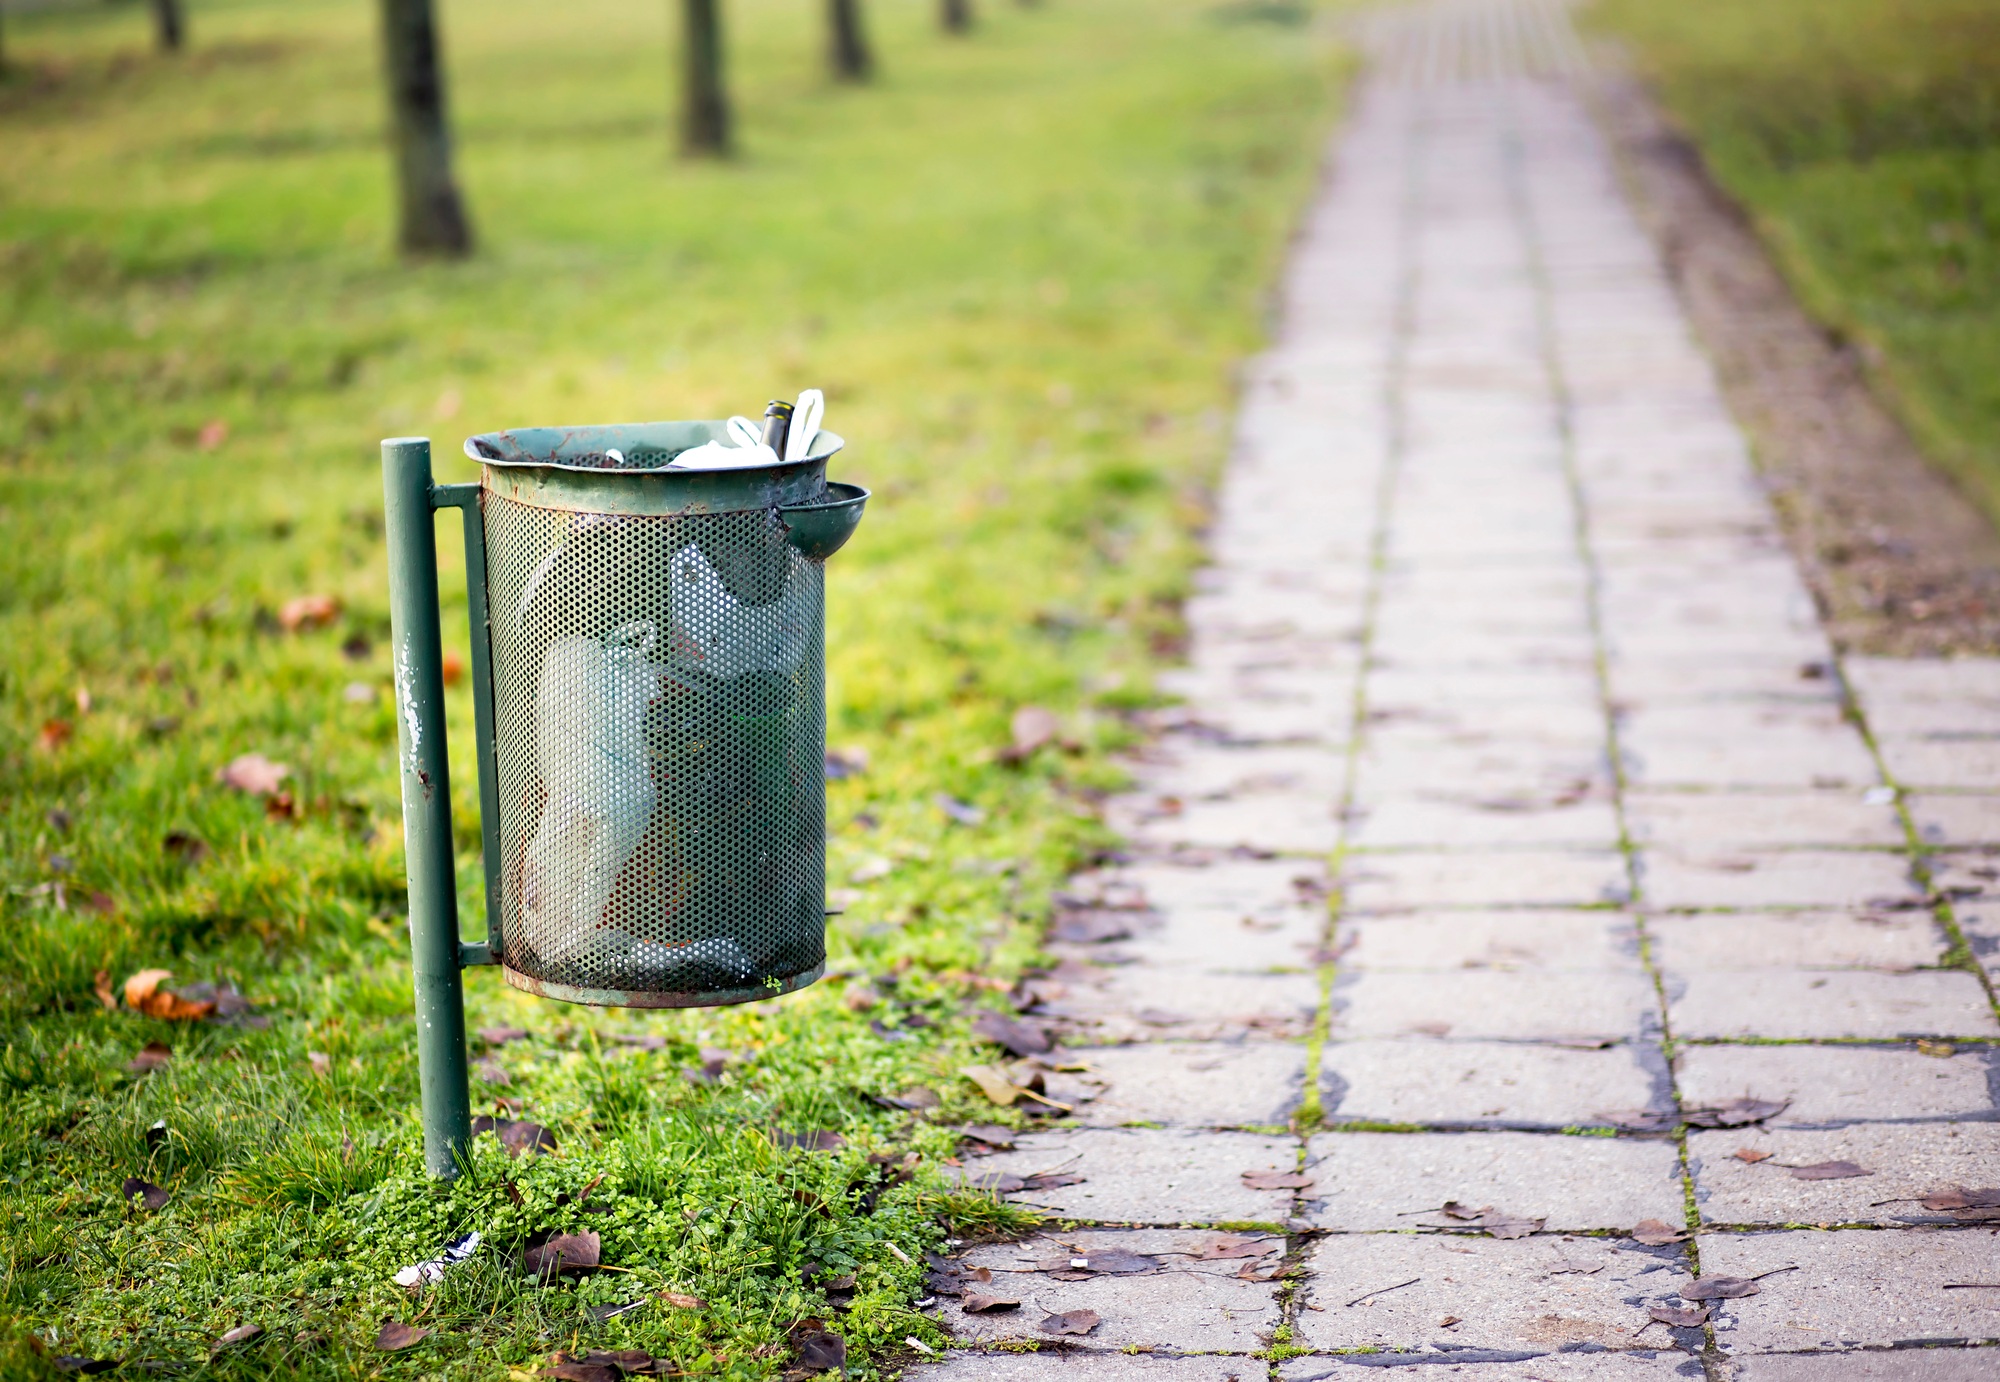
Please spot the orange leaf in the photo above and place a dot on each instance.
(144, 984)
(309, 612)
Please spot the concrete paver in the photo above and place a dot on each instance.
(1185, 1305)
(1487, 1083)
(1501, 619)
(1841, 1084)
(1525, 1294)
(1904, 1162)
(1376, 1182)
(1854, 1289)
(1800, 1004)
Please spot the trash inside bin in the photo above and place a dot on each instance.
(658, 680)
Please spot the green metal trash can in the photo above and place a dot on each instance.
(659, 706)
(649, 678)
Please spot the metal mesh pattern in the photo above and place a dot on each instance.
(659, 704)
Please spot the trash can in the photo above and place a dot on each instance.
(648, 677)
(658, 684)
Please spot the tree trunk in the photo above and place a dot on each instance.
(956, 16)
(433, 217)
(169, 25)
(704, 100)
(847, 44)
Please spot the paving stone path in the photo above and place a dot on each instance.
(1524, 848)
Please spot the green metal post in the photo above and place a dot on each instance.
(419, 666)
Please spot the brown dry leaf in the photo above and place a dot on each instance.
(1259, 1271)
(999, 1182)
(566, 1252)
(818, 1347)
(1020, 1038)
(152, 1056)
(308, 612)
(189, 849)
(239, 1334)
(396, 1336)
(1719, 1288)
(567, 1369)
(320, 1061)
(1656, 1233)
(520, 1137)
(682, 1301)
(989, 1135)
(1828, 1170)
(1092, 928)
(1750, 1155)
(1073, 1322)
(493, 1073)
(1240, 1247)
(100, 984)
(1497, 1223)
(253, 773)
(500, 1036)
(993, 1083)
(1735, 1113)
(1033, 727)
(1972, 1205)
(53, 735)
(978, 1303)
(147, 1193)
(1678, 1318)
(1277, 1180)
(143, 992)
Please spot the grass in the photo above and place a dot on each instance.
(1863, 136)
(1021, 265)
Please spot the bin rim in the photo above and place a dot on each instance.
(585, 449)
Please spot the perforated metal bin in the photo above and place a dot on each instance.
(658, 685)
(648, 660)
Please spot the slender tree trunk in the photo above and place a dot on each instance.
(433, 217)
(956, 16)
(847, 43)
(704, 98)
(169, 25)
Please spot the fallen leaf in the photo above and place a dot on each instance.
(253, 773)
(213, 433)
(993, 1083)
(1091, 928)
(100, 984)
(977, 1303)
(1079, 1266)
(520, 1137)
(189, 849)
(1655, 1233)
(1497, 1223)
(606, 1365)
(53, 735)
(282, 806)
(1241, 1247)
(500, 1036)
(1828, 1170)
(1277, 1180)
(998, 1182)
(1735, 1113)
(320, 1061)
(452, 668)
(845, 763)
(152, 1056)
(1718, 1288)
(1021, 1038)
(644, 1041)
(493, 1073)
(239, 1334)
(101, 903)
(566, 1369)
(1638, 1120)
(566, 1252)
(818, 1347)
(1033, 728)
(144, 992)
(961, 812)
(680, 1300)
(1750, 1155)
(1967, 1206)
(1073, 1322)
(77, 1362)
(143, 985)
(989, 1135)
(1678, 1318)
(1260, 1271)
(914, 1099)
(308, 612)
(395, 1336)
(818, 1141)
(147, 1193)
(1051, 1180)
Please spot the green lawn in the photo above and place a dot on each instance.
(1864, 137)
(1022, 266)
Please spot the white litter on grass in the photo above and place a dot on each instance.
(1878, 796)
(920, 1346)
(419, 1273)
